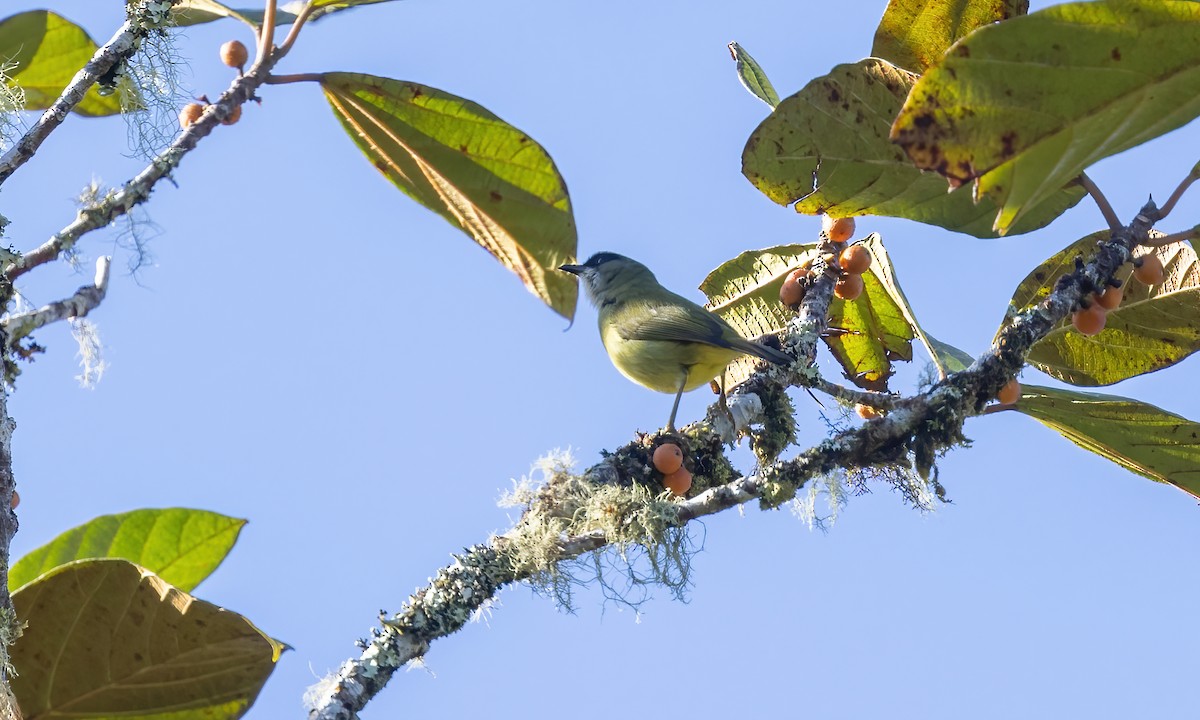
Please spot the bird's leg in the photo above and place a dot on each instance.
(678, 395)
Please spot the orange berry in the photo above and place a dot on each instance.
(792, 290)
(1010, 393)
(866, 412)
(848, 287)
(855, 260)
(1089, 322)
(667, 458)
(1109, 299)
(234, 115)
(838, 230)
(234, 54)
(1150, 272)
(190, 114)
(16, 499)
(678, 482)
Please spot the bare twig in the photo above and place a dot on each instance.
(85, 299)
(116, 50)
(266, 41)
(882, 401)
(1169, 205)
(1163, 240)
(1110, 216)
(294, 31)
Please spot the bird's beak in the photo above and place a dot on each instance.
(573, 269)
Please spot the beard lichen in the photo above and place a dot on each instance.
(646, 546)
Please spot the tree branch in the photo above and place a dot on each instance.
(1106, 209)
(85, 299)
(116, 50)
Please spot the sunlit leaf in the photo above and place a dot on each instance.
(826, 149)
(342, 4)
(1153, 328)
(867, 335)
(181, 546)
(107, 639)
(47, 50)
(475, 170)
(1142, 438)
(752, 76)
(885, 272)
(1022, 107)
(949, 358)
(913, 34)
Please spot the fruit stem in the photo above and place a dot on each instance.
(1110, 216)
(301, 18)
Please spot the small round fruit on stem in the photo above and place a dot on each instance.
(1148, 269)
(190, 114)
(667, 458)
(234, 115)
(866, 412)
(678, 482)
(1010, 393)
(848, 287)
(791, 293)
(234, 54)
(838, 230)
(1110, 298)
(1089, 321)
(855, 260)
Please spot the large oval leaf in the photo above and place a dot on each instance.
(913, 34)
(477, 171)
(1142, 438)
(868, 334)
(180, 545)
(1022, 107)
(105, 639)
(1153, 328)
(826, 149)
(48, 50)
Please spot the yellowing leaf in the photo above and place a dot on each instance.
(107, 639)
(913, 34)
(1022, 107)
(1142, 438)
(48, 50)
(475, 170)
(180, 545)
(1153, 328)
(826, 149)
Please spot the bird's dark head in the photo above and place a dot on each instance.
(607, 273)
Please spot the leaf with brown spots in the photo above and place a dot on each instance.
(106, 638)
(1153, 327)
(913, 34)
(472, 168)
(826, 149)
(1139, 437)
(1022, 107)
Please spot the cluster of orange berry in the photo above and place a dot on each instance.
(235, 55)
(853, 262)
(1089, 320)
(668, 460)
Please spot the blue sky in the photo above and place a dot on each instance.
(312, 351)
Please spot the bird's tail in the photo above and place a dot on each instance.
(759, 350)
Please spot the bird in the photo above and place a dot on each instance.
(656, 338)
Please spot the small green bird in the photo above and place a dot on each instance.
(656, 338)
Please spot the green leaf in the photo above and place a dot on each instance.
(106, 639)
(1153, 327)
(343, 4)
(196, 12)
(180, 545)
(871, 331)
(744, 291)
(949, 358)
(913, 34)
(826, 149)
(752, 76)
(475, 170)
(1022, 107)
(1142, 438)
(885, 272)
(48, 50)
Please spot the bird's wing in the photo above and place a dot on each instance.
(683, 321)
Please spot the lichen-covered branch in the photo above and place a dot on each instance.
(85, 299)
(911, 435)
(120, 201)
(115, 51)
